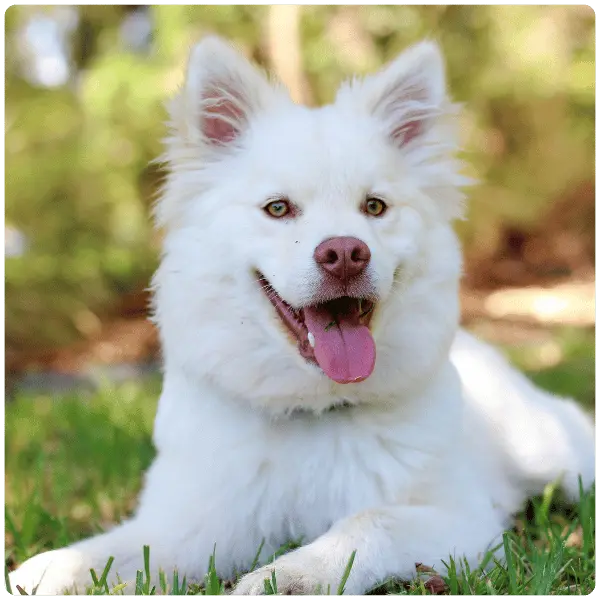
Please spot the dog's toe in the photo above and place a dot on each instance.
(288, 580)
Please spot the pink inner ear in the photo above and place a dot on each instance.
(404, 93)
(221, 117)
(406, 132)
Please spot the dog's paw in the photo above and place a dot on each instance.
(290, 579)
(50, 573)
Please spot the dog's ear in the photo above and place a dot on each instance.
(222, 92)
(408, 103)
(407, 95)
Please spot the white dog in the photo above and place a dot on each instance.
(316, 383)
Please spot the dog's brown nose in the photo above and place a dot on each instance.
(344, 257)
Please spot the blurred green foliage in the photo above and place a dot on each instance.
(79, 183)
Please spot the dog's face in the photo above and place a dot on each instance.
(296, 238)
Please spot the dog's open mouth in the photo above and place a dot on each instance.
(334, 334)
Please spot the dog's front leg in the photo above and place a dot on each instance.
(68, 569)
(388, 541)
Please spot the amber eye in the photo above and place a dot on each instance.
(375, 207)
(277, 209)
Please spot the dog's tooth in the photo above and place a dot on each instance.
(311, 339)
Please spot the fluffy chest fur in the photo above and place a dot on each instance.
(290, 477)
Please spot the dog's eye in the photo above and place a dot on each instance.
(375, 207)
(278, 208)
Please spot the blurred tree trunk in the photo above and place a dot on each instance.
(284, 49)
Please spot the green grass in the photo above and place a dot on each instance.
(575, 374)
(74, 466)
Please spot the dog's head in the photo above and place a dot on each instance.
(309, 248)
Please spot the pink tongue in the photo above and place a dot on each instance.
(344, 348)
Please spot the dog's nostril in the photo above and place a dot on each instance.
(356, 255)
(331, 257)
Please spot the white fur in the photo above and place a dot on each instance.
(439, 446)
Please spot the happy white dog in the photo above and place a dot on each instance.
(316, 383)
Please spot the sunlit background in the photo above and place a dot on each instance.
(85, 88)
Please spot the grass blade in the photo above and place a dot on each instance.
(510, 566)
(257, 555)
(342, 586)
